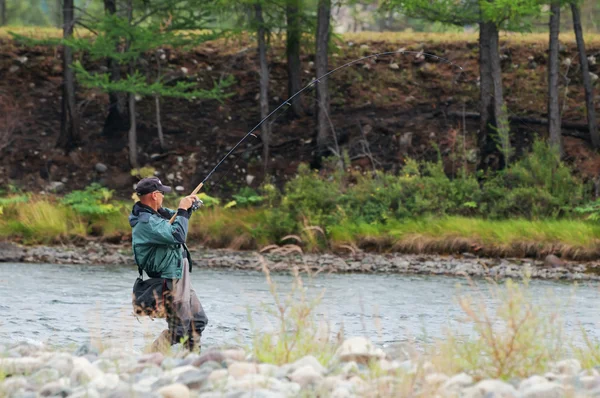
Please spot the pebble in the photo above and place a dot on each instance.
(66, 374)
(97, 253)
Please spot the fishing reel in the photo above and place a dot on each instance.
(196, 205)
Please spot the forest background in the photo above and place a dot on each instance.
(402, 152)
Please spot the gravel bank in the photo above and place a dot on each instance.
(358, 369)
(96, 253)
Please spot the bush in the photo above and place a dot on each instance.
(538, 185)
(92, 201)
(311, 196)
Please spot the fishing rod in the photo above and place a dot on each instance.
(314, 82)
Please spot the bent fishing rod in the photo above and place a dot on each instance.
(313, 83)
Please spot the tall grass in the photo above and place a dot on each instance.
(295, 331)
(515, 339)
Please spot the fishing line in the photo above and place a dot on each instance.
(288, 102)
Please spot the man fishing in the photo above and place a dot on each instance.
(159, 249)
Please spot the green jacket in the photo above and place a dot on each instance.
(158, 246)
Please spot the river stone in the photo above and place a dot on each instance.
(436, 379)
(458, 381)
(567, 367)
(62, 362)
(589, 382)
(490, 388)
(308, 360)
(210, 366)
(174, 391)
(55, 388)
(358, 349)
(106, 381)
(106, 365)
(240, 369)
(531, 381)
(20, 366)
(249, 382)
(306, 375)
(234, 354)
(329, 383)
(262, 393)
(210, 356)
(218, 374)
(544, 390)
(84, 392)
(155, 358)
(11, 385)
(171, 363)
(44, 376)
(83, 371)
(341, 392)
(267, 369)
(85, 349)
(194, 379)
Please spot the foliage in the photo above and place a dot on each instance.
(591, 210)
(538, 185)
(515, 339)
(247, 197)
(143, 172)
(92, 201)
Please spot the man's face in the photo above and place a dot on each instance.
(158, 197)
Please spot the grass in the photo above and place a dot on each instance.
(44, 220)
(591, 39)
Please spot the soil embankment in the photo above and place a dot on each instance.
(405, 106)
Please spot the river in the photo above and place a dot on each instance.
(67, 305)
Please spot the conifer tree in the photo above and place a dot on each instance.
(140, 35)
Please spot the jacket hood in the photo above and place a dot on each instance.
(138, 212)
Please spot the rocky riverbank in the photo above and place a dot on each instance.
(358, 262)
(358, 369)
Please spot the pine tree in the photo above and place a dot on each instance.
(126, 39)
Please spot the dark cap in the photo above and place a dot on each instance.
(150, 184)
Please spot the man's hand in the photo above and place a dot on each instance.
(187, 202)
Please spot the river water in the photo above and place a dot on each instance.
(67, 305)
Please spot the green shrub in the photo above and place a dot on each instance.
(94, 200)
(247, 197)
(309, 195)
(538, 185)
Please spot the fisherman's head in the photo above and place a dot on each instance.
(151, 192)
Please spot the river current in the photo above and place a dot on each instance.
(68, 305)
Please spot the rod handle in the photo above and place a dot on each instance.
(172, 220)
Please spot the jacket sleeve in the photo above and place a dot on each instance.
(164, 233)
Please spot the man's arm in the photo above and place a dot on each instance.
(165, 233)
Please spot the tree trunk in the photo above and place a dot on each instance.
(2, 12)
(294, 68)
(502, 128)
(264, 83)
(69, 124)
(554, 122)
(117, 120)
(161, 136)
(487, 148)
(132, 135)
(587, 81)
(321, 64)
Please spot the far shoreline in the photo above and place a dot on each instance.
(458, 265)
